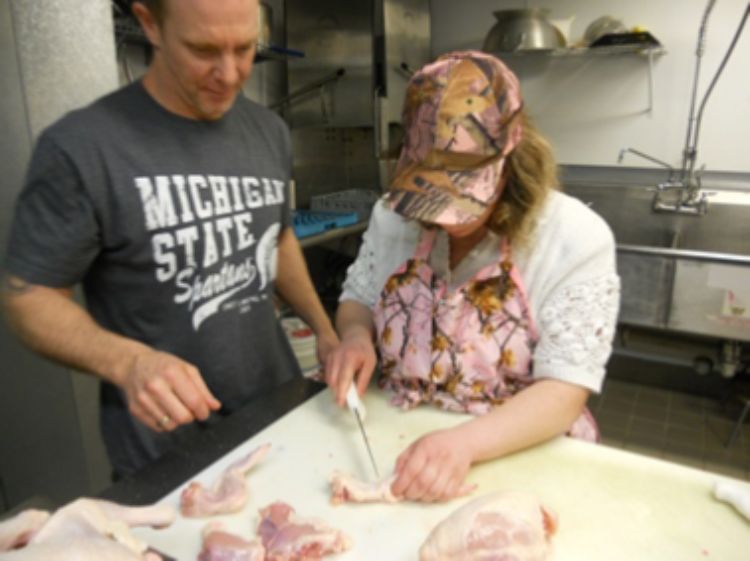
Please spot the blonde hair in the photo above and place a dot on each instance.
(530, 174)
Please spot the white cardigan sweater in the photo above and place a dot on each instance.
(568, 269)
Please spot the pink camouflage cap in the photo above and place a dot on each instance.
(459, 125)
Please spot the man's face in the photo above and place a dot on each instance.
(204, 53)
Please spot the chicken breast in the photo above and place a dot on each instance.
(346, 488)
(503, 526)
(220, 545)
(290, 537)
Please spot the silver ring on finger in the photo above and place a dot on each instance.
(165, 421)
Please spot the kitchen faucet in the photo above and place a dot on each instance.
(689, 199)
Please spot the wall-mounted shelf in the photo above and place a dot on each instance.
(631, 42)
(589, 51)
(648, 49)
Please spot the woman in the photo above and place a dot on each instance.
(479, 283)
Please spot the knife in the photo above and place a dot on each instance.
(357, 407)
(161, 554)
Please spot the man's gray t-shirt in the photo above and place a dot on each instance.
(171, 226)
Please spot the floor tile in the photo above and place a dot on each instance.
(616, 403)
(654, 396)
(650, 411)
(674, 425)
(647, 429)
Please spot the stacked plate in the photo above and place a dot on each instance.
(303, 342)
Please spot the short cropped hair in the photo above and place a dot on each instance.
(157, 7)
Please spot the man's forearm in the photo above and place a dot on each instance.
(295, 287)
(52, 324)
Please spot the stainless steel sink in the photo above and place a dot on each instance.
(678, 271)
(725, 229)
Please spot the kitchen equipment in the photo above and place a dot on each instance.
(360, 201)
(310, 222)
(612, 504)
(358, 409)
(565, 26)
(522, 30)
(643, 38)
(304, 344)
(604, 25)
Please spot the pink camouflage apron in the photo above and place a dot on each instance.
(465, 350)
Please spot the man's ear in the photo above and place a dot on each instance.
(150, 25)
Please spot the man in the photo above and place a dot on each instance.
(167, 200)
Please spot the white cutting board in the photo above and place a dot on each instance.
(612, 505)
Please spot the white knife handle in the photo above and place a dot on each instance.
(734, 494)
(354, 403)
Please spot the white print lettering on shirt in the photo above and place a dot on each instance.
(200, 229)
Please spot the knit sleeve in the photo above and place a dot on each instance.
(359, 284)
(577, 306)
(388, 241)
(576, 327)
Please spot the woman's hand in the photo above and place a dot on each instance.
(434, 468)
(354, 359)
(325, 344)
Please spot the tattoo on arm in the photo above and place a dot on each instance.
(15, 286)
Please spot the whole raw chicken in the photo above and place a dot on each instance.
(84, 530)
(507, 526)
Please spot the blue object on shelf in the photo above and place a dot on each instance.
(311, 222)
(286, 51)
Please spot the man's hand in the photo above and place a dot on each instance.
(164, 391)
(434, 468)
(353, 359)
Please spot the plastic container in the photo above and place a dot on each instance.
(304, 344)
(360, 201)
(310, 222)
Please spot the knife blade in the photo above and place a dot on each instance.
(356, 406)
(161, 554)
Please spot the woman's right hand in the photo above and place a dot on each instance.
(352, 361)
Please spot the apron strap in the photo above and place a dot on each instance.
(425, 243)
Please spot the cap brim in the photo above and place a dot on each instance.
(445, 197)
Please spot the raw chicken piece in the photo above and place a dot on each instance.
(220, 545)
(347, 489)
(507, 526)
(289, 537)
(229, 492)
(93, 530)
(17, 531)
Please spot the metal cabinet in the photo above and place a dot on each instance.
(346, 94)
